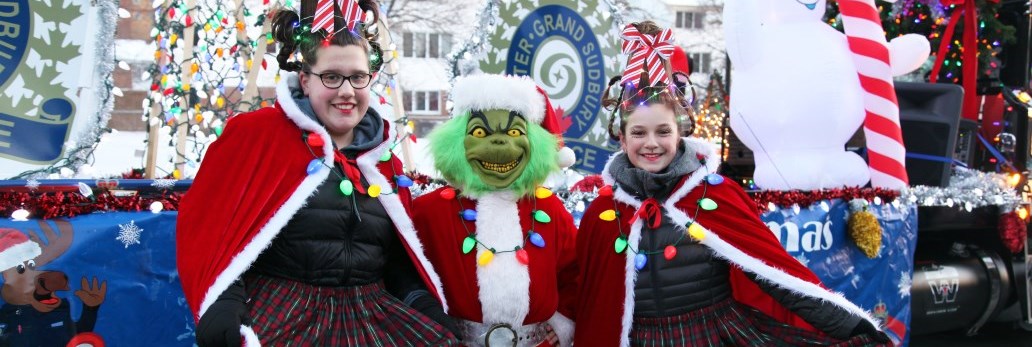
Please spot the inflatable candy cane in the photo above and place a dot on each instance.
(876, 66)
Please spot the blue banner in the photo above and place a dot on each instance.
(818, 237)
(110, 278)
(123, 264)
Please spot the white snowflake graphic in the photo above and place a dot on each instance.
(129, 234)
(163, 183)
(904, 284)
(803, 259)
(32, 184)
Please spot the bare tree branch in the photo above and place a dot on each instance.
(432, 15)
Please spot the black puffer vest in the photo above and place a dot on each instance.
(693, 279)
(327, 243)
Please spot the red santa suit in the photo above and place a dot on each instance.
(509, 292)
(223, 226)
(604, 311)
(505, 290)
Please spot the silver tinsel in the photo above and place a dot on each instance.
(163, 183)
(420, 189)
(463, 59)
(968, 189)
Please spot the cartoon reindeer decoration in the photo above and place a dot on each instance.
(32, 313)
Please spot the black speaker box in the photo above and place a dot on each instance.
(967, 143)
(929, 115)
(1015, 58)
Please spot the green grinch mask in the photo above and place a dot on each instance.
(497, 146)
(502, 151)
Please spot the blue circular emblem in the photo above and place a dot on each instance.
(558, 48)
(15, 27)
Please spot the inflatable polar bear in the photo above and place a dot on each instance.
(795, 94)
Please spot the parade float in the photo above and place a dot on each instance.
(920, 217)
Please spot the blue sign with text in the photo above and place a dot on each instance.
(818, 237)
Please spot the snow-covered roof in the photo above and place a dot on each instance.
(423, 74)
(134, 51)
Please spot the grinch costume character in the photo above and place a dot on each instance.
(507, 245)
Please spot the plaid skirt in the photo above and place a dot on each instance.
(730, 323)
(290, 313)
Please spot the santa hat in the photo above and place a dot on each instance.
(16, 248)
(516, 93)
(679, 61)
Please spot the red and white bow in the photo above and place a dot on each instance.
(645, 50)
(349, 9)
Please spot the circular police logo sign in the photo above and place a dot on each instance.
(570, 48)
(15, 27)
(42, 60)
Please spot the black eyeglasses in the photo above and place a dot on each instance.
(334, 80)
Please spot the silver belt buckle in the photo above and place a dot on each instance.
(501, 335)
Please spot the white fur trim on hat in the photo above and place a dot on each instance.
(499, 92)
(16, 248)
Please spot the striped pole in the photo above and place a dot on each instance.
(866, 40)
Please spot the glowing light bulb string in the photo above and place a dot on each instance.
(669, 251)
(471, 241)
(347, 187)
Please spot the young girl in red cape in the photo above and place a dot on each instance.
(297, 229)
(673, 254)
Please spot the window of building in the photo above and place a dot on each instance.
(422, 101)
(424, 45)
(701, 62)
(690, 20)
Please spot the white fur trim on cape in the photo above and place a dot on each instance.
(504, 283)
(16, 254)
(396, 210)
(720, 248)
(242, 261)
(490, 91)
(366, 163)
(563, 328)
(250, 338)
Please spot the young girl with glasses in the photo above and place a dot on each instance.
(296, 230)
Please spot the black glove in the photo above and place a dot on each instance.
(866, 328)
(430, 307)
(220, 324)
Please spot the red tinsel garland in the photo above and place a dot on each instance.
(807, 198)
(67, 204)
(1012, 231)
(588, 184)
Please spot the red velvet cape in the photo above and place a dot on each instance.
(254, 178)
(734, 232)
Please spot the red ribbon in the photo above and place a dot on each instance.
(349, 10)
(645, 51)
(351, 170)
(969, 56)
(650, 212)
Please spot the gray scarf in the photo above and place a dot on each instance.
(643, 184)
(368, 132)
